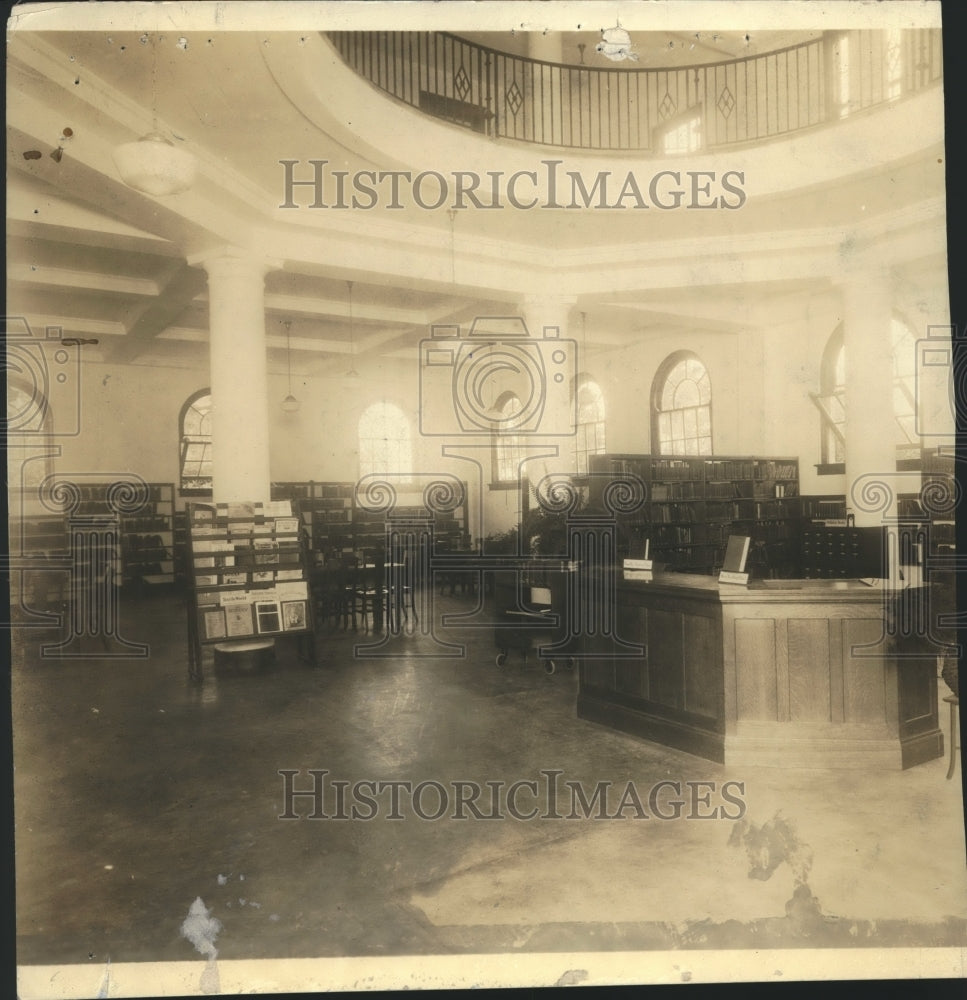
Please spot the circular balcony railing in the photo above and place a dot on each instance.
(658, 111)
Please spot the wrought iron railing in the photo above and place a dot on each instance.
(660, 111)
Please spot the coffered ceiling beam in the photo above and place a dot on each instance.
(152, 318)
(38, 276)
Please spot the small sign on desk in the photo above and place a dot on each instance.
(733, 565)
(642, 564)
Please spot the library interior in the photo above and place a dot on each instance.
(446, 411)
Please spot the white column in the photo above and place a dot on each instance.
(870, 424)
(239, 376)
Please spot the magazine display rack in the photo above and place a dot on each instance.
(247, 580)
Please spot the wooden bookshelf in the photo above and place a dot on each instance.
(695, 502)
(331, 520)
(148, 538)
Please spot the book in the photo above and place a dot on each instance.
(238, 620)
(294, 615)
(268, 616)
(215, 624)
(736, 553)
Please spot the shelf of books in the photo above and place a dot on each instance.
(332, 521)
(247, 577)
(696, 502)
(148, 539)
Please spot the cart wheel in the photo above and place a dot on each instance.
(569, 663)
(501, 659)
(549, 666)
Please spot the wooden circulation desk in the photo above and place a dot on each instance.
(785, 673)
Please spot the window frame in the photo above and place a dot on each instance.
(404, 455)
(502, 442)
(189, 404)
(664, 372)
(903, 383)
(582, 382)
(39, 436)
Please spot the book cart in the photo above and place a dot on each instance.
(246, 579)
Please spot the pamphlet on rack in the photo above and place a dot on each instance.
(234, 597)
(278, 508)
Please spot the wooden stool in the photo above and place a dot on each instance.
(253, 654)
(954, 703)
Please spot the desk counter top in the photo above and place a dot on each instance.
(790, 673)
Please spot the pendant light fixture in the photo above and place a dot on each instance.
(153, 164)
(290, 404)
(352, 373)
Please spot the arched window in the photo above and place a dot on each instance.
(384, 441)
(508, 444)
(28, 423)
(905, 386)
(681, 406)
(195, 435)
(832, 397)
(589, 436)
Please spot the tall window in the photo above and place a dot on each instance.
(508, 445)
(195, 434)
(28, 422)
(384, 441)
(832, 397)
(905, 387)
(589, 437)
(682, 407)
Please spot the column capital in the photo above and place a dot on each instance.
(860, 270)
(234, 260)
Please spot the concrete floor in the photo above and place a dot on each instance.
(137, 790)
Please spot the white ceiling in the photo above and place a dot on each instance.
(100, 260)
